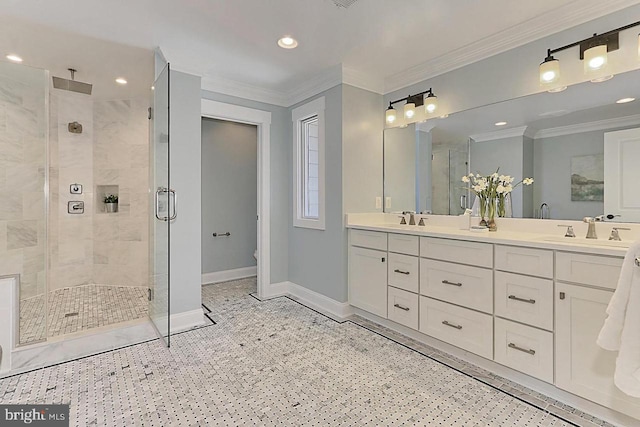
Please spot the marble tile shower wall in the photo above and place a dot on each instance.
(110, 155)
(23, 126)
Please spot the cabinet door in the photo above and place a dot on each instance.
(582, 367)
(368, 280)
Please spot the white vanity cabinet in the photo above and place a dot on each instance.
(582, 367)
(535, 309)
(368, 271)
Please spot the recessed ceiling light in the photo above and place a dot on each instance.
(121, 81)
(287, 42)
(501, 123)
(625, 100)
(14, 58)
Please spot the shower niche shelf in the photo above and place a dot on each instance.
(103, 191)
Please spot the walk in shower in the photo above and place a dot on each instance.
(81, 263)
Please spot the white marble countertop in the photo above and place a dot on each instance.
(556, 241)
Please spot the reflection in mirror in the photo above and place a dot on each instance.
(422, 170)
(570, 142)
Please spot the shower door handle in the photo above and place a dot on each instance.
(158, 192)
(463, 202)
(175, 204)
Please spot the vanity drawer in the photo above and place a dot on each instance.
(459, 284)
(458, 326)
(404, 244)
(403, 307)
(369, 239)
(524, 349)
(472, 253)
(403, 272)
(588, 269)
(524, 299)
(535, 262)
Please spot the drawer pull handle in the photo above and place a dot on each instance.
(401, 272)
(447, 282)
(528, 301)
(444, 322)
(401, 307)
(524, 350)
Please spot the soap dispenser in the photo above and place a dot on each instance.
(465, 219)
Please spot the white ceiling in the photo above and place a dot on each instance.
(387, 43)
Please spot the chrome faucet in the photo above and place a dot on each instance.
(412, 217)
(591, 232)
(544, 208)
(570, 232)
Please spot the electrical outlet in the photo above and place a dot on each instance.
(378, 202)
(387, 203)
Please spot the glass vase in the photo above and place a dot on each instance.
(483, 211)
(491, 221)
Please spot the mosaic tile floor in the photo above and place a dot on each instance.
(275, 362)
(80, 308)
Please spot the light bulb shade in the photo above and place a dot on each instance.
(391, 115)
(430, 103)
(595, 58)
(549, 71)
(409, 110)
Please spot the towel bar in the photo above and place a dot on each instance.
(638, 261)
(227, 234)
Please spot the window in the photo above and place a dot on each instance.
(308, 148)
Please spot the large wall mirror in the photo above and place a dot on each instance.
(581, 145)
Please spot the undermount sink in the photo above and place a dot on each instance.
(588, 242)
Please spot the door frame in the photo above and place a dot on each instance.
(262, 120)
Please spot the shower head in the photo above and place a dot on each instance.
(72, 85)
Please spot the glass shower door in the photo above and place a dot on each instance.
(163, 209)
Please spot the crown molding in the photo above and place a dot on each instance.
(362, 80)
(606, 124)
(244, 90)
(319, 83)
(562, 18)
(501, 134)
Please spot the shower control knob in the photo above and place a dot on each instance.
(75, 189)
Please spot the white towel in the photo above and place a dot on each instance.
(621, 330)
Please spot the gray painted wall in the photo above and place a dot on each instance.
(362, 125)
(229, 194)
(317, 258)
(280, 179)
(510, 74)
(185, 180)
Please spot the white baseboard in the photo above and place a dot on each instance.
(225, 276)
(186, 320)
(312, 299)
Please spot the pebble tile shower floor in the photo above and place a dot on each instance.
(80, 308)
(273, 362)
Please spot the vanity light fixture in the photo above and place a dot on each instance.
(121, 81)
(391, 115)
(549, 70)
(593, 51)
(625, 100)
(430, 102)
(410, 112)
(287, 42)
(14, 58)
